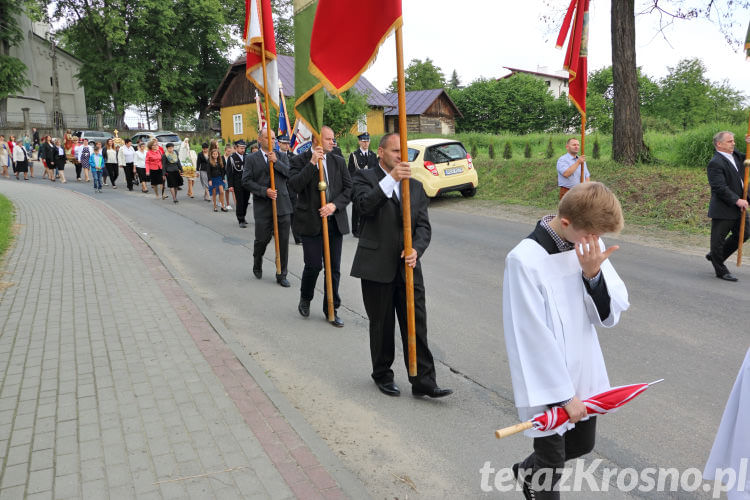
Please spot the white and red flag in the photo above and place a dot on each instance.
(259, 41)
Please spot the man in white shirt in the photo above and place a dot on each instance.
(727, 206)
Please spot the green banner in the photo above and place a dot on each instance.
(309, 90)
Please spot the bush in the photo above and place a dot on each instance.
(474, 151)
(595, 153)
(508, 151)
(491, 151)
(527, 151)
(695, 147)
(550, 149)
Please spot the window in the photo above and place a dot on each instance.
(237, 119)
(413, 153)
(444, 153)
(548, 83)
(362, 124)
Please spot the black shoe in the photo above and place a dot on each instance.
(304, 307)
(528, 493)
(258, 273)
(433, 392)
(727, 277)
(708, 257)
(355, 234)
(388, 388)
(283, 282)
(243, 224)
(337, 322)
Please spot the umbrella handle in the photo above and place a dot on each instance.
(513, 429)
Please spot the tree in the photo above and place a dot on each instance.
(455, 82)
(12, 70)
(341, 117)
(283, 13)
(420, 76)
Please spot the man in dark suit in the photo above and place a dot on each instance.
(308, 214)
(235, 169)
(358, 160)
(257, 180)
(379, 263)
(725, 172)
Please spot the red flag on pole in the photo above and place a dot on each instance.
(340, 50)
(258, 35)
(576, 54)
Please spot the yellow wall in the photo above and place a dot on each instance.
(249, 122)
(375, 122)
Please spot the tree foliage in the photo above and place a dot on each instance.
(455, 82)
(341, 117)
(421, 75)
(12, 70)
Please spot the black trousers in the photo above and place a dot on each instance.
(79, 167)
(129, 175)
(551, 452)
(725, 237)
(355, 220)
(382, 300)
(113, 172)
(243, 198)
(263, 236)
(312, 248)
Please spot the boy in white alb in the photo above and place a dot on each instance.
(559, 285)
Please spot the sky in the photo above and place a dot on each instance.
(481, 36)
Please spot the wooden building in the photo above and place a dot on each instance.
(235, 100)
(427, 112)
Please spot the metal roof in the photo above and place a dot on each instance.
(285, 66)
(418, 101)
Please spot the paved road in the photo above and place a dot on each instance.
(684, 326)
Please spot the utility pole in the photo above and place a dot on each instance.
(57, 115)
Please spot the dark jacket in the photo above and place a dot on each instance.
(726, 185)
(235, 166)
(169, 166)
(256, 178)
(217, 170)
(202, 163)
(359, 161)
(304, 179)
(381, 234)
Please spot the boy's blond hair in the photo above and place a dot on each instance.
(591, 206)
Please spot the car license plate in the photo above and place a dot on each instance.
(451, 171)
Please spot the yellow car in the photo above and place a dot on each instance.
(442, 165)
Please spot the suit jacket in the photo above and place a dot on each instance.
(304, 181)
(257, 178)
(359, 161)
(726, 186)
(235, 168)
(381, 234)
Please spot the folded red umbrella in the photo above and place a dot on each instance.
(606, 402)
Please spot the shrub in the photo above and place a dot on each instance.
(550, 150)
(527, 151)
(474, 151)
(595, 153)
(695, 147)
(508, 151)
(491, 151)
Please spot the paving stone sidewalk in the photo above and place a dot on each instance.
(112, 382)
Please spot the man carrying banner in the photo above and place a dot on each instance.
(304, 179)
(359, 159)
(379, 263)
(285, 151)
(257, 180)
(235, 169)
(569, 167)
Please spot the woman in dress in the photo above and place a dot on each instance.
(21, 158)
(59, 161)
(172, 169)
(153, 167)
(4, 153)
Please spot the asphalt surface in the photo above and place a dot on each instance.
(684, 326)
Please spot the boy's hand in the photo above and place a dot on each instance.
(590, 255)
(576, 410)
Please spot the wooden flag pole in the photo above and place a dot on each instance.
(406, 206)
(513, 429)
(744, 197)
(583, 148)
(270, 148)
(322, 185)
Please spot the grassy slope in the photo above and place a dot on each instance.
(6, 224)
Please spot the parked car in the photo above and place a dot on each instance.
(442, 165)
(94, 136)
(164, 137)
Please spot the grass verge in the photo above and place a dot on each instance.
(6, 224)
